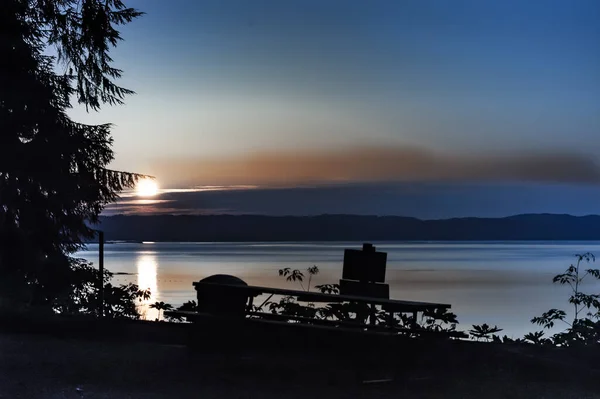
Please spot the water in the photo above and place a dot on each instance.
(500, 283)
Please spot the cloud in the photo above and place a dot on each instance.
(377, 164)
(423, 200)
(141, 201)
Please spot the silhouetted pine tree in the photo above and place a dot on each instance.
(54, 179)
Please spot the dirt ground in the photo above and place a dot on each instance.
(39, 366)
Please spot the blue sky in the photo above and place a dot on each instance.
(222, 81)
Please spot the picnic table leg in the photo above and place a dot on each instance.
(250, 303)
(414, 321)
(391, 319)
(372, 316)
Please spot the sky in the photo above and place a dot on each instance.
(426, 108)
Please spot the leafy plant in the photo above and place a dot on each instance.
(288, 304)
(581, 330)
(574, 278)
(123, 301)
(332, 289)
(536, 338)
(161, 307)
(547, 319)
(297, 275)
(82, 297)
(439, 320)
(189, 306)
(119, 301)
(484, 332)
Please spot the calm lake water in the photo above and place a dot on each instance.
(503, 283)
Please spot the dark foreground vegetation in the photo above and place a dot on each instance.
(145, 360)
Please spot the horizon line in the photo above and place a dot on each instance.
(347, 215)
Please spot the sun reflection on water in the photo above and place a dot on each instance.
(147, 266)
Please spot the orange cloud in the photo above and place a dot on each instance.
(376, 164)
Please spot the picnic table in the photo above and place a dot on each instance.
(362, 286)
(248, 294)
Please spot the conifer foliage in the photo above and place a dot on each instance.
(54, 175)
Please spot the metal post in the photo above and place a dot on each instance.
(101, 272)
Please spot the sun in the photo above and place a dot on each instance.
(146, 188)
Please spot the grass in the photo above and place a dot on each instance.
(148, 360)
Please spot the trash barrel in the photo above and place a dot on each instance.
(221, 299)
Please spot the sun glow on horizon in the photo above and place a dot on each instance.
(146, 188)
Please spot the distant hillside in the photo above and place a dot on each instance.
(347, 228)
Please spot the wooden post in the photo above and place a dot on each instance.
(373, 317)
(101, 272)
(250, 303)
(414, 322)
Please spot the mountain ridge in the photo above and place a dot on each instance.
(341, 227)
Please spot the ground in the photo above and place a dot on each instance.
(41, 366)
